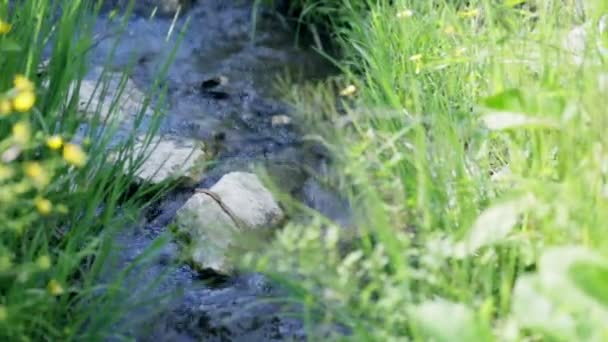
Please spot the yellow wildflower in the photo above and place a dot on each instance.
(55, 288)
(3, 313)
(350, 90)
(43, 205)
(24, 100)
(449, 30)
(6, 107)
(22, 83)
(55, 142)
(37, 174)
(43, 262)
(74, 155)
(21, 132)
(5, 27)
(469, 13)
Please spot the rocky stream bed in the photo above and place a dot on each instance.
(221, 95)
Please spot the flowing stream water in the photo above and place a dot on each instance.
(218, 43)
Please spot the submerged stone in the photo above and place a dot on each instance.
(110, 96)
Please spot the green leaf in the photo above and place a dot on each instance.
(507, 120)
(513, 3)
(7, 45)
(565, 298)
(510, 99)
(592, 279)
(493, 225)
(442, 320)
(533, 309)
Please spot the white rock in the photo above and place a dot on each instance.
(171, 157)
(247, 197)
(210, 231)
(216, 231)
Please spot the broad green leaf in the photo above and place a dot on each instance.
(562, 299)
(532, 309)
(592, 279)
(507, 120)
(493, 225)
(442, 320)
(513, 3)
(510, 99)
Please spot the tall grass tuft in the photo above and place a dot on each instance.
(61, 200)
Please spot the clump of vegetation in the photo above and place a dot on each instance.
(469, 139)
(60, 198)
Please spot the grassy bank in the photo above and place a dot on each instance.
(60, 200)
(468, 137)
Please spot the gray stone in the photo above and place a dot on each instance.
(99, 96)
(247, 197)
(209, 230)
(225, 220)
(280, 120)
(171, 157)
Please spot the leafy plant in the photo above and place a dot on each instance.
(61, 199)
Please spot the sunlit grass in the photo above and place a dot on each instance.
(469, 139)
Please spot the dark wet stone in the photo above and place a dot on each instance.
(214, 82)
(216, 95)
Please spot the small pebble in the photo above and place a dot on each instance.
(280, 120)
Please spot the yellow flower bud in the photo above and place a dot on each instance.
(21, 132)
(24, 101)
(5, 27)
(37, 174)
(44, 262)
(55, 288)
(55, 142)
(6, 107)
(43, 205)
(74, 155)
(22, 83)
(348, 91)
